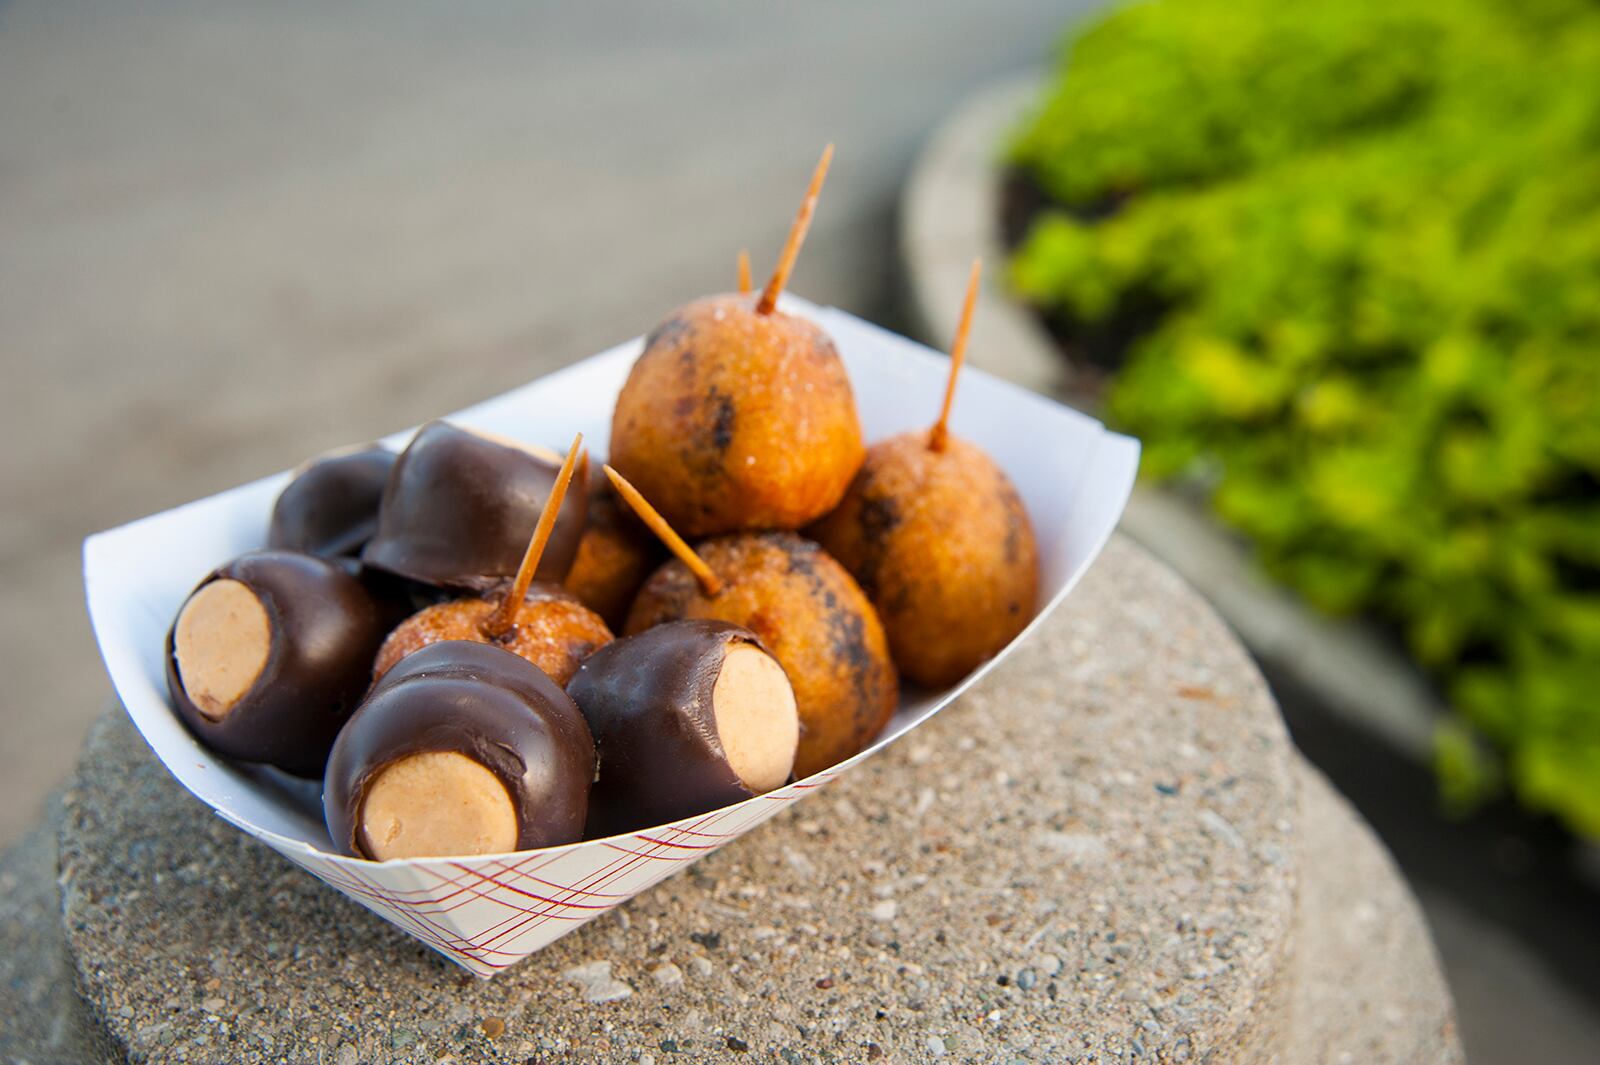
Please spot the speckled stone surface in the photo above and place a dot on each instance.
(1368, 986)
(1089, 858)
(42, 1020)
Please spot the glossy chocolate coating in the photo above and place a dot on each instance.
(479, 701)
(325, 629)
(396, 597)
(330, 509)
(647, 699)
(459, 509)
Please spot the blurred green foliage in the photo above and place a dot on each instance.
(1358, 245)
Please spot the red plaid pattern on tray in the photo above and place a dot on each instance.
(486, 914)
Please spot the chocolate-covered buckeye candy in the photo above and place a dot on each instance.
(460, 749)
(330, 508)
(459, 505)
(540, 622)
(687, 717)
(269, 655)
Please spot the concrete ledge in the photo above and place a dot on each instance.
(1368, 987)
(42, 1019)
(1348, 1005)
(1092, 852)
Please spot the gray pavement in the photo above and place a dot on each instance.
(233, 234)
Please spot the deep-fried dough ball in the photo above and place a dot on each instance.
(733, 420)
(615, 555)
(941, 543)
(553, 630)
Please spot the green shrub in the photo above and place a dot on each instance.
(1371, 231)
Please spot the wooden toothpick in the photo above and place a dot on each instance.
(505, 615)
(940, 436)
(710, 583)
(797, 236)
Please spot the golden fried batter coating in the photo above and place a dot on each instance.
(734, 420)
(941, 543)
(614, 557)
(553, 631)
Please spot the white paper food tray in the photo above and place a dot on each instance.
(488, 912)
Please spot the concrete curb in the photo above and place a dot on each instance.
(42, 1019)
(948, 216)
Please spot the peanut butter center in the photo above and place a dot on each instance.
(437, 804)
(757, 720)
(222, 641)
